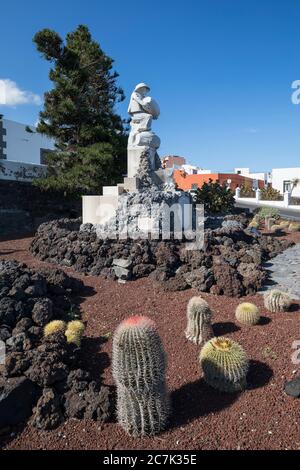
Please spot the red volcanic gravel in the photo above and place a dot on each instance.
(263, 417)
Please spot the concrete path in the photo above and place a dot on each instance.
(284, 272)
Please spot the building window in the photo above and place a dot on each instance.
(287, 186)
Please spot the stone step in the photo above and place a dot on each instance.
(98, 209)
(112, 190)
(107, 208)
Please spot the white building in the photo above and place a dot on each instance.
(282, 180)
(262, 175)
(194, 170)
(19, 145)
(22, 153)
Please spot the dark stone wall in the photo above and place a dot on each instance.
(23, 207)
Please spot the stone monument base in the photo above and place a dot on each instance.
(134, 158)
(99, 209)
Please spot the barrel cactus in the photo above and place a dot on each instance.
(254, 223)
(74, 332)
(294, 227)
(55, 326)
(284, 224)
(199, 315)
(277, 301)
(247, 314)
(276, 228)
(224, 364)
(139, 366)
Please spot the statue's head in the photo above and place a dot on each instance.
(142, 88)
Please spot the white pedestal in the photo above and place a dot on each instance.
(134, 157)
(98, 209)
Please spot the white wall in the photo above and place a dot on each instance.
(261, 175)
(201, 171)
(242, 171)
(279, 175)
(23, 146)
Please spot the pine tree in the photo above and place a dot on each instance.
(79, 113)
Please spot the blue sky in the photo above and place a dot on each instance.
(221, 70)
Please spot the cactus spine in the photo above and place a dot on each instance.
(247, 314)
(54, 326)
(74, 332)
(139, 365)
(199, 329)
(224, 364)
(277, 301)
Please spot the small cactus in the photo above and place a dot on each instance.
(54, 326)
(199, 329)
(294, 227)
(254, 224)
(284, 224)
(139, 365)
(74, 332)
(276, 228)
(247, 314)
(224, 364)
(269, 221)
(277, 301)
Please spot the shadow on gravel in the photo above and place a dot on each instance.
(264, 321)
(294, 308)
(196, 399)
(10, 252)
(84, 292)
(259, 374)
(93, 359)
(9, 434)
(269, 281)
(223, 328)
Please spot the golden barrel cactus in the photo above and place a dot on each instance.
(224, 364)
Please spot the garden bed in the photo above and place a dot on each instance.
(263, 417)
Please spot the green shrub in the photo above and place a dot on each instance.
(265, 212)
(270, 194)
(215, 197)
(247, 190)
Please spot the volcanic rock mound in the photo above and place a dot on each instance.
(229, 263)
(44, 374)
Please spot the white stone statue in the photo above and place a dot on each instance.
(142, 110)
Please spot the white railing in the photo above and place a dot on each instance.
(252, 203)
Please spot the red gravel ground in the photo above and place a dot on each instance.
(262, 417)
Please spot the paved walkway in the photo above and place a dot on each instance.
(284, 272)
